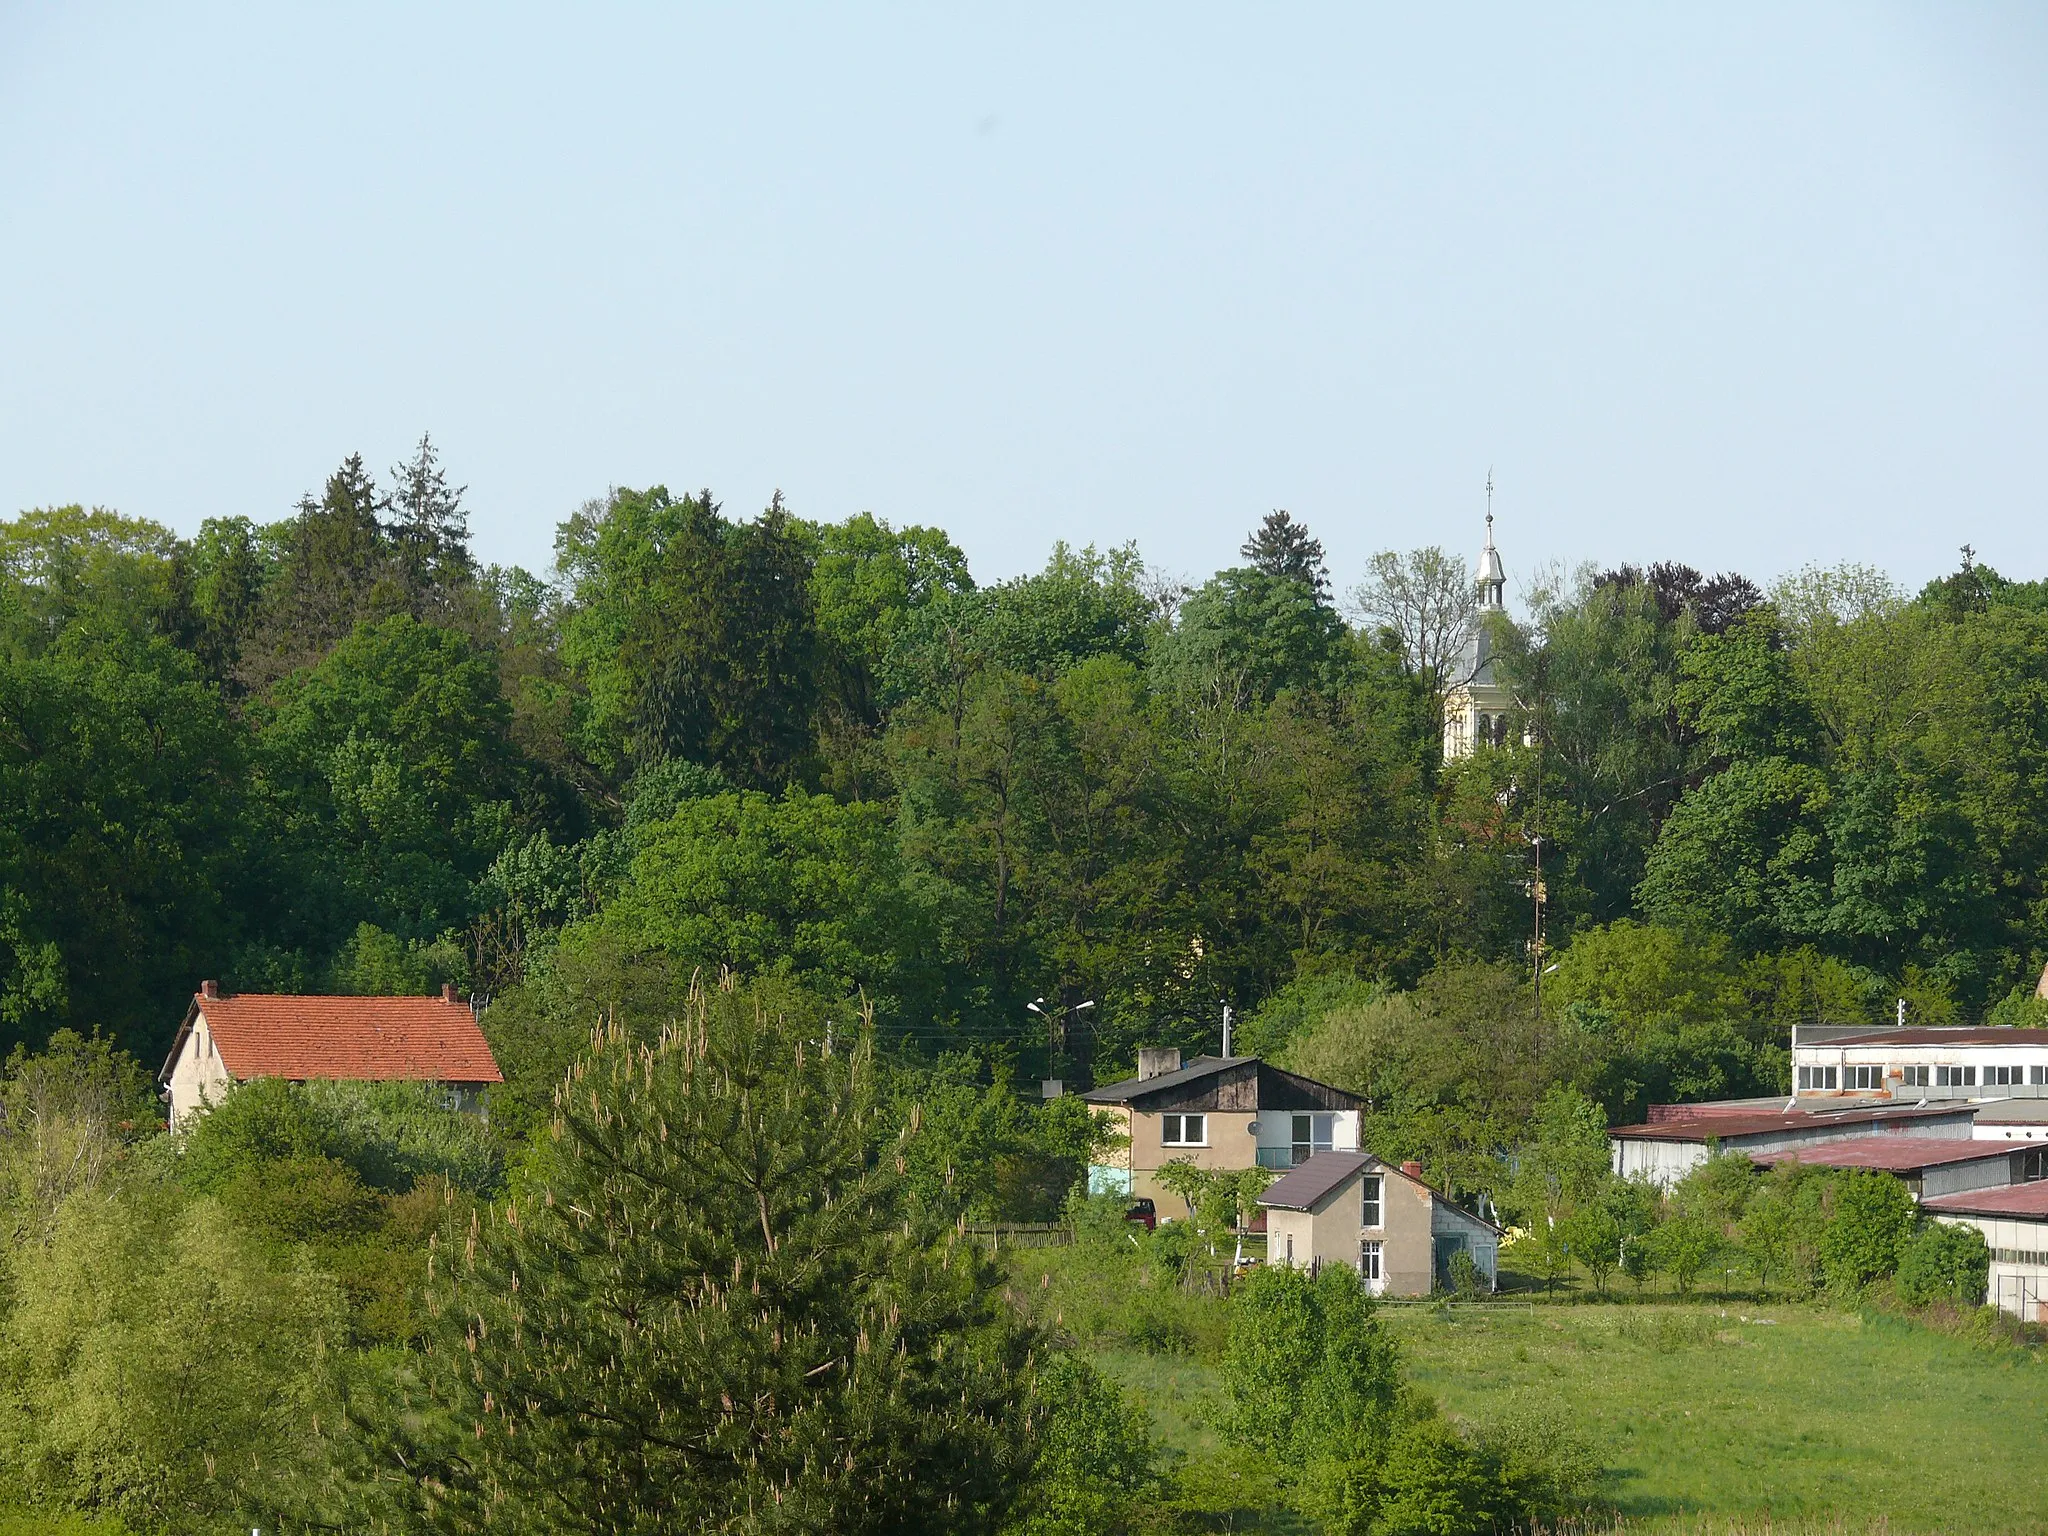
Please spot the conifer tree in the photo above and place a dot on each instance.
(708, 1307)
(1281, 547)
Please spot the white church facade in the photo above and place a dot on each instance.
(1478, 704)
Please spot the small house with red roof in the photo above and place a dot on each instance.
(226, 1040)
(1387, 1222)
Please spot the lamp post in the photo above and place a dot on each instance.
(1056, 1017)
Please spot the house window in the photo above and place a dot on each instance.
(1863, 1077)
(1955, 1077)
(1913, 1077)
(1370, 1262)
(2002, 1077)
(1290, 1247)
(1313, 1134)
(1184, 1130)
(1816, 1078)
(2037, 1076)
(1369, 1192)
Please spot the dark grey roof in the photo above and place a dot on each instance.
(1137, 1087)
(1301, 1188)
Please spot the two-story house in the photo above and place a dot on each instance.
(1218, 1112)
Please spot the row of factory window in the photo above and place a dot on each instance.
(2019, 1256)
(1822, 1079)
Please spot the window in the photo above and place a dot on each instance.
(2003, 1077)
(1863, 1077)
(1913, 1077)
(1816, 1078)
(1184, 1130)
(2030, 1167)
(1369, 1262)
(2037, 1076)
(1290, 1247)
(1955, 1077)
(1312, 1134)
(1369, 1192)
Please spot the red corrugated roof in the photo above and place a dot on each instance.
(1724, 1124)
(2021, 1200)
(356, 1038)
(1894, 1154)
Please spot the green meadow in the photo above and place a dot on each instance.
(1735, 1420)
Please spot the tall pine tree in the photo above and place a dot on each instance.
(709, 1307)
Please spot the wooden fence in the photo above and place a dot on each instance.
(1021, 1234)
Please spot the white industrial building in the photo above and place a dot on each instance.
(1914, 1063)
(1677, 1138)
(2014, 1221)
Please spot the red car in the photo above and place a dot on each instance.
(1142, 1211)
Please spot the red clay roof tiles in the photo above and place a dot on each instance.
(355, 1038)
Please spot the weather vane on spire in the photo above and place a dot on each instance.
(1489, 506)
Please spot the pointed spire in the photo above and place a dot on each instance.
(1493, 577)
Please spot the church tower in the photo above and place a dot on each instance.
(1477, 703)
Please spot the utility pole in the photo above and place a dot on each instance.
(1226, 1031)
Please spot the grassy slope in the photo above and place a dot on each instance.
(1812, 1415)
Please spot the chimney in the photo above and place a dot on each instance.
(448, 992)
(1413, 1169)
(209, 989)
(1157, 1061)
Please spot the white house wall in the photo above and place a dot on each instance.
(198, 1078)
(2018, 1282)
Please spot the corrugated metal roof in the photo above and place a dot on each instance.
(1937, 1035)
(1893, 1154)
(2018, 1200)
(1721, 1125)
(363, 1039)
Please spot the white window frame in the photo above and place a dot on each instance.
(1955, 1077)
(1372, 1265)
(1173, 1130)
(2004, 1077)
(1817, 1079)
(1372, 1202)
(1914, 1076)
(1862, 1078)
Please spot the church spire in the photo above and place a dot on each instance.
(1493, 577)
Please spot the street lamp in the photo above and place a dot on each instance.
(1056, 1024)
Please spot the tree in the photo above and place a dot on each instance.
(1684, 1246)
(1595, 1238)
(429, 525)
(334, 567)
(1867, 1229)
(694, 637)
(1248, 635)
(1312, 1373)
(1945, 1261)
(1094, 1455)
(1281, 547)
(713, 1222)
(1428, 605)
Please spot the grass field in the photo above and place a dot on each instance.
(1748, 1419)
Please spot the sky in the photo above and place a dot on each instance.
(1748, 286)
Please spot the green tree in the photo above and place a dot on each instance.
(694, 637)
(1867, 1229)
(1944, 1261)
(1094, 1454)
(1685, 1246)
(1311, 1371)
(788, 1346)
(334, 568)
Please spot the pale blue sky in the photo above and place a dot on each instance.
(1750, 286)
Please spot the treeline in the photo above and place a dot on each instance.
(333, 752)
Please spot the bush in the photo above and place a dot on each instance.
(1945, 1262)
(1867, 1230)
(1094, 1452)
(1309, 1368)
(1466, 1277)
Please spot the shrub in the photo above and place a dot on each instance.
(1466, 1277)
(1094, 1452)
(1867, 1230)
(1434, 1482)
(1309, 1368)
(1684, 1246)
(1945, 1262)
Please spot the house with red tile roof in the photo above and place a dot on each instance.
(226, 1040)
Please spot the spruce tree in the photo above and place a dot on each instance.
(707, 1307)
(429, 525)
(1281, 547)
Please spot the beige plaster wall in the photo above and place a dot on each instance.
(197, 1077)
(1230, 1145)
(1333, 1231)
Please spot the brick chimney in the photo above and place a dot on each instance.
(209, 989)
(448, 992)
(1157, 1060)
(1413, 1169)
